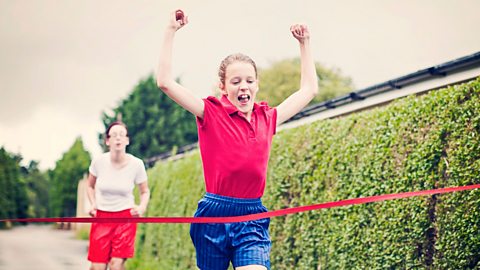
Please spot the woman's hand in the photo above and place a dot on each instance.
(300, 32)
(137, 211)
(93, 212)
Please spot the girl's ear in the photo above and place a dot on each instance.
(128, 141)
(221, 86)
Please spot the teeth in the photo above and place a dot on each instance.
(243, 97)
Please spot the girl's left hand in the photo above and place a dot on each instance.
(300, 32)
(137, 211)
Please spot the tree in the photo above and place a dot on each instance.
(69, 170)
(156, 124)
(37, 190)
(13, 195)
(6, 183)
(283, 78)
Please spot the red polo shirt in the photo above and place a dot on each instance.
(234, 151)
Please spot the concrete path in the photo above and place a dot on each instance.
(41, 247)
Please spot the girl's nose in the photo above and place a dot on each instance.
(244, 86)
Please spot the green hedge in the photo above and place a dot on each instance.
(416, 143)
(175, 189)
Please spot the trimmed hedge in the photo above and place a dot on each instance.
(416, 143)
(175, 189)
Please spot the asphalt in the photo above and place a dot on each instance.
(42, 247)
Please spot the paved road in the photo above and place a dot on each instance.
(41, 247)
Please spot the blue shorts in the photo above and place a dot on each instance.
(242, 243)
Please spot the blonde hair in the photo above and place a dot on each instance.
(236, 57)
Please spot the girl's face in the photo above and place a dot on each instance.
(241, 86)
(117, 138)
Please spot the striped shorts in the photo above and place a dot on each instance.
(242, 243)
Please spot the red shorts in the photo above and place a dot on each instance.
(108, 240)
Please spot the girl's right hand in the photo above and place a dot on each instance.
(178, 19)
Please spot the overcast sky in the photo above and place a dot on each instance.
(62, 63)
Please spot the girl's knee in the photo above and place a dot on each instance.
(116, 264)
(98, 266)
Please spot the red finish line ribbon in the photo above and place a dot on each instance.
(276, 213)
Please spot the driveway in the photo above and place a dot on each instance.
(41, 247)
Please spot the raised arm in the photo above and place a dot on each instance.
(308, 82)
(165, 81)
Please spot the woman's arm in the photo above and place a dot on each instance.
(144, 199)
(91, 180)
(181, 95)
(308, 82)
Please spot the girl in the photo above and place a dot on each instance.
(112, 177)
(235, 135)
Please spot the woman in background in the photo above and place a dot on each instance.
(112, 178)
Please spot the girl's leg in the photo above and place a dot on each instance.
(98, 266)
(251, 267)
(117, 264)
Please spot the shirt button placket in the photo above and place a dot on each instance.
(251, 130)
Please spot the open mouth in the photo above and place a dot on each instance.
(244, 98)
